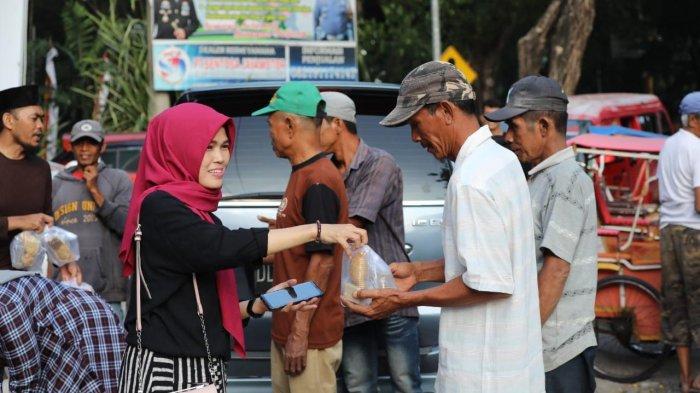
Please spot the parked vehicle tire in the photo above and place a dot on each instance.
(627, 327)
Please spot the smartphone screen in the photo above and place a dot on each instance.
(296, 294)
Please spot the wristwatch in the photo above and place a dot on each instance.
(249, 309)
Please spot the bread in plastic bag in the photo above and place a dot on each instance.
(364, 269)
(61, 246)
(26, 251)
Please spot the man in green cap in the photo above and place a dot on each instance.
(306, 346)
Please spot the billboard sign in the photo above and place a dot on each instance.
(198, 43)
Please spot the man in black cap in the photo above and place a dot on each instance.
(490, 337)
(564, 212)
(25, 179)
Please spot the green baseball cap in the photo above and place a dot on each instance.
(299, 98)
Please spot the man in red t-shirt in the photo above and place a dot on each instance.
(306, 346)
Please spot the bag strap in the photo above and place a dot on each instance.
(395, 236)
(139, 327)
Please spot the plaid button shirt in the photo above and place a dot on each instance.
(58, 339)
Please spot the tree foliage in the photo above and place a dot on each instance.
(103, 46)
(555, 45)
(395, 35)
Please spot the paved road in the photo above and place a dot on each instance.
(664, 380)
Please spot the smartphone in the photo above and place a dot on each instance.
(294, 294)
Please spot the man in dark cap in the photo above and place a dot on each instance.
(25, 179)
(566, 240)
(91, 200)
(490, 337)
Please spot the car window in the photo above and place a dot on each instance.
(254, 169)
(129, 159)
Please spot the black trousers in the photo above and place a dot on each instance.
(574, 376)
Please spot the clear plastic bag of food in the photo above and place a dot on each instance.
(61, 245)
(364, 269)
(26, 251)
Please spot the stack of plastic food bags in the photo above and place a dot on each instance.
(364, 269)
(28, 248)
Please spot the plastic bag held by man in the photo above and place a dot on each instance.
(61, 246)
(364, 269)
(26, 251)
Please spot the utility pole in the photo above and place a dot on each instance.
(435, 13)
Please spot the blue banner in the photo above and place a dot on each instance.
(317, 63)
(180, 66)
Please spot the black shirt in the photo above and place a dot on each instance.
(176, 243)
(25, 188)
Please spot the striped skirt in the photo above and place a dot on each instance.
(167, 374)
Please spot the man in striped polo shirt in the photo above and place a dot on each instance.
(564, 210)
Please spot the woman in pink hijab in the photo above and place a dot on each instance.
(187, 256)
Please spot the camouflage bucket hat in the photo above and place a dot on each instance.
(429, 83)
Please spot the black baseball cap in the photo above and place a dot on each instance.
(531, 93)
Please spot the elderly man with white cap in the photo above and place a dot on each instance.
(374, 187)
(679, 193)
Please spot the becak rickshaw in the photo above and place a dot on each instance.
(628, 303)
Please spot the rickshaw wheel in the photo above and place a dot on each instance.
(626, 352)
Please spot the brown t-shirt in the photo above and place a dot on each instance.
(315, 192)
(25, 188)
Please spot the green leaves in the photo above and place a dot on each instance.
(110, 51)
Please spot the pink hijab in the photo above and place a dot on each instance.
(176, 141)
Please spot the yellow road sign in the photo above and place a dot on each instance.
(451, 55)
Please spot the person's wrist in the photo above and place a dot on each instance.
(407, 299)
(299, 334)
(252, 311)
(259, 306)
(13, 223)
(311, 234)
(416, 272)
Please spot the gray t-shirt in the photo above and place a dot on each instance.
(564, 210)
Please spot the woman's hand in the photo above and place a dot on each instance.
(343, 234)
(303, 306)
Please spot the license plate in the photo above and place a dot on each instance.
(263, 279)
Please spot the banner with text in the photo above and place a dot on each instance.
(199, 43)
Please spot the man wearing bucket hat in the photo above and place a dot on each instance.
(679, 193)
(490, 337)
(306, 346)
(92, 200)
(374, 185)
(566, 239)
